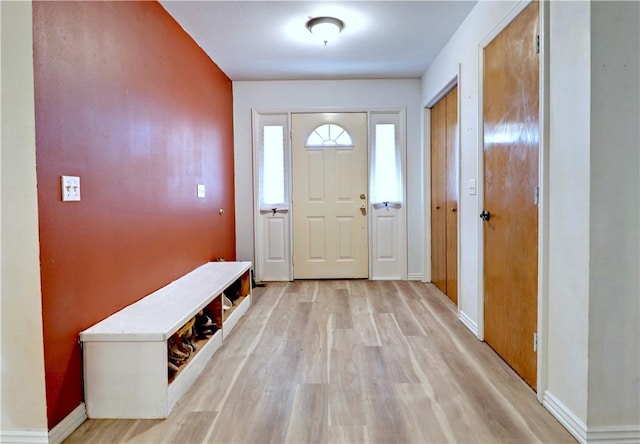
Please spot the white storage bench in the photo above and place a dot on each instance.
(125, 356)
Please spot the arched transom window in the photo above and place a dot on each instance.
(329, 135)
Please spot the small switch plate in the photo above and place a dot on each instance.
(201, 189)
(472, 187)
(70, 186)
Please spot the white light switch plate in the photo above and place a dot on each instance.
(201, 190)
(472, 186)
(70, 188)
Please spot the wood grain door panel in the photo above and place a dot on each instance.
(510, 109)
(438, 196)
(444, 194)
(452, 194)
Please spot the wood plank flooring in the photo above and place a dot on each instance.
(347, 362)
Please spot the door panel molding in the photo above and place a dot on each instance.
(275, 236)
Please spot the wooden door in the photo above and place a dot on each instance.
(444, 195)
(451, 206)
(510, 112)
(330, 169)
(439, 196)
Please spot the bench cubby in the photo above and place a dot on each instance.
(125, 356)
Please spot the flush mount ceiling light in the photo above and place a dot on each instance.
(325, 28)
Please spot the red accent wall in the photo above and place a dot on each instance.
(127, 101)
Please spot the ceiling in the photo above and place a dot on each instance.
(268, 40)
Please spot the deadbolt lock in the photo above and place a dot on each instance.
(363, 197)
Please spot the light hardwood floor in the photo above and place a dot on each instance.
(347, 361)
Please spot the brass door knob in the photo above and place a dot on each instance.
(363, 210)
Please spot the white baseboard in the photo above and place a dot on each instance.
(385, 278)
(414, 277)
(614, 434)
(468, 322)
(589, 435)
(567, 418)
(55, 436)
(24, 437)
(66, 427)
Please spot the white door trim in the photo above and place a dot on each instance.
(259, 220)
(426, 185)
(258, 236)
(453, 82)
(543, 213)
(389, 268)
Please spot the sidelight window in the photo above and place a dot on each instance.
(273, 159)
(273, 164)
(386, 166)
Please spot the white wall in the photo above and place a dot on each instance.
(462, 49)
(614, 305)
(569, 177)
(23, 387)
(594, 243)
(317, 95)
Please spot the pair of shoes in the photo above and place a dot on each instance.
(233, 290)
(176, 353)
(171, 370)
(226, 302)
(175, 362)
(205, 332)
(177, 358)
(203, 320)
(179, 343)
(204, 327)
(189, 345)
(178, 350)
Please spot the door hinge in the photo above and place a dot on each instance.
(538, 44)
(535, 342)
(536, 195)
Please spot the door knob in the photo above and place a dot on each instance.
(485, 215)
(363, 210)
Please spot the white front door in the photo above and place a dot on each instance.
(330, 195)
